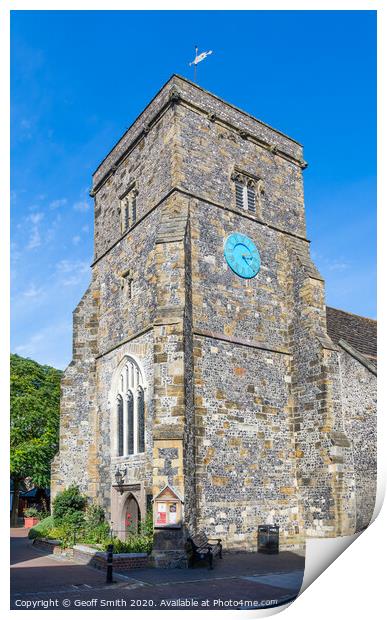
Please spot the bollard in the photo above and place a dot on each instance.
(109, 568)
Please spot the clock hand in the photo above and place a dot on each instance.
(245, 258)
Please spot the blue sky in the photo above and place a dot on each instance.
(78, 80)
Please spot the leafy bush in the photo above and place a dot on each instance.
(42, 529)
(67, 502)
(73, 520)
(64, 534)
(95, 516)
(133, 544)
(95, 535)
(32, 512)
(146, 527)
(69, 528)
(95, 528)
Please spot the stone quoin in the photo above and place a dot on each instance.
(230, 398)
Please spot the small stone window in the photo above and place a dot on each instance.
(128, 208)
(127, 283)
(248, 192)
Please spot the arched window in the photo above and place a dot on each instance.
(141, 419)
(128, 205)
(130, 410)
(120, 425)
(248, 192)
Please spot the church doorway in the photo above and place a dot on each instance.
(132, 516)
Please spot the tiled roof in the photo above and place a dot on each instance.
(358, 331)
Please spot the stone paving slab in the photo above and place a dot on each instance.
(283, 580)
(232, 565)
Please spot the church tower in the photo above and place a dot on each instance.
(204, 385)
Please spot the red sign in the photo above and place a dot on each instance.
(161, 514)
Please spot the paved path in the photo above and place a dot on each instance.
(33, 571)
(239, 581)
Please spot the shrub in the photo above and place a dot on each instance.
(69, 529)
(32, 512)
(42, 529)
(65, 535)
(95, 516)
(95, 535)
(73, 520)
(67, 502)
(133, 544)
(146, 527)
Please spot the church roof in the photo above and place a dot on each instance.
(357, 331)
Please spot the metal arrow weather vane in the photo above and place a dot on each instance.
(198, 58)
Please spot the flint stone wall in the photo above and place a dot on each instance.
(359, 404)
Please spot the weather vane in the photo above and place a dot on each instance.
(198, 58)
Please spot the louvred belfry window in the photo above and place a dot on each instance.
(248, 192)
(250, 198)
(134, 208)
(239, 198)
(128, 207)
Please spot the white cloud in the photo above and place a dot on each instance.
(76, 239)
(32, 291)
(43, 345)
(35, 218)
(54, 225)
(34, 240)
(81, 205)
(71, 266)
(72, 271)
(59, 202)
(337, 265)
(35, 237)
(85, 228)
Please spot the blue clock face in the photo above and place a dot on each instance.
(242, 255)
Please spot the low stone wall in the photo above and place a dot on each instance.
(52, 546)
(121, 561)
(83, 554)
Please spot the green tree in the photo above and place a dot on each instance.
(68, 502)
(35, 394)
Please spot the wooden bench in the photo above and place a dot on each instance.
(200, 547)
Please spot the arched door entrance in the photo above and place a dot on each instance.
(132, 516)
